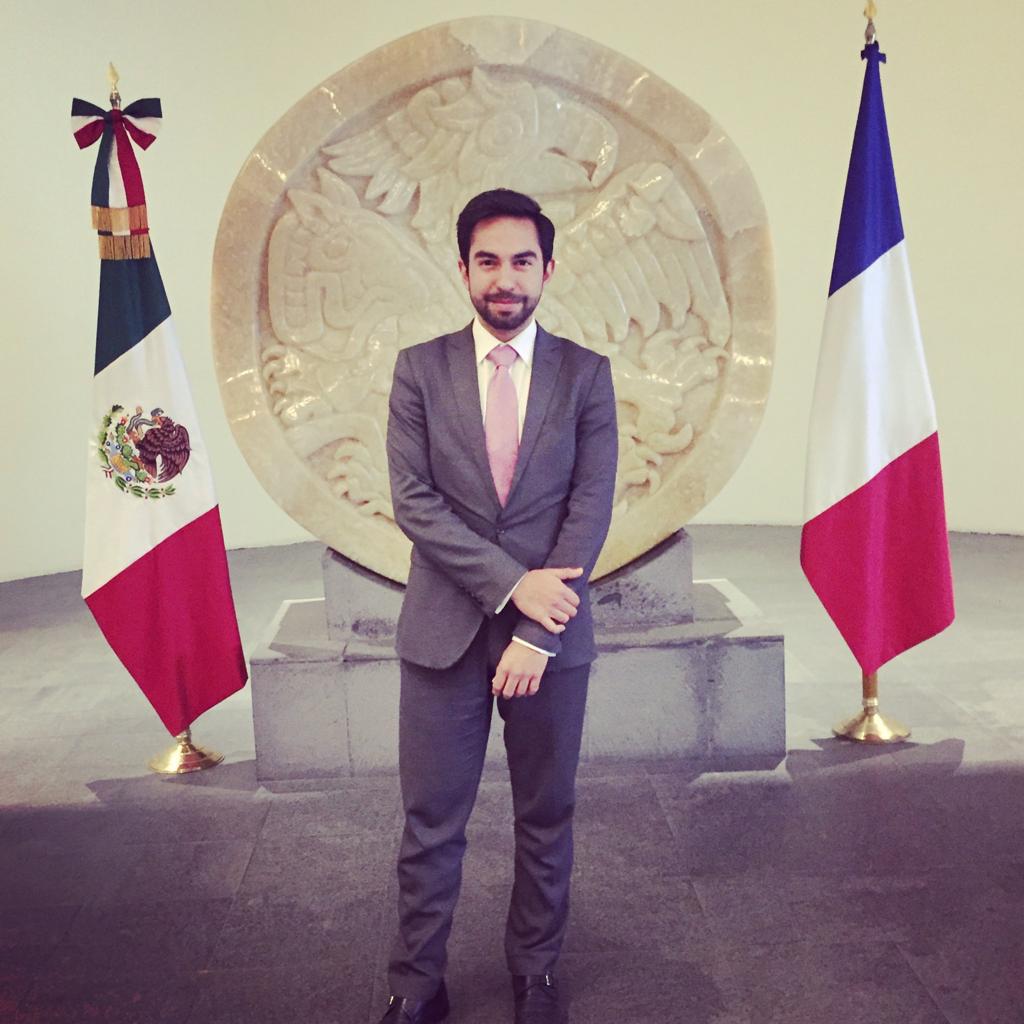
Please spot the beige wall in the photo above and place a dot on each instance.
(783, 79)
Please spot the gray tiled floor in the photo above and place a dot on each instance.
(848, 884)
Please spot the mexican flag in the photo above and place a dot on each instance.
(155, 572)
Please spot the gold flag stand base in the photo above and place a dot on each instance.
(185, 757)
(869, 726)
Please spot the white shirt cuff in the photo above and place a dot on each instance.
(539, 650)
(497, 611)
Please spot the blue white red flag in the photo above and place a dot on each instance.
(155, 573)
(874, 545)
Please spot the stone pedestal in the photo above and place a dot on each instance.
(686, 671)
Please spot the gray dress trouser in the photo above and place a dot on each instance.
(444, 722)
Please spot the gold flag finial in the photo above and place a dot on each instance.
(870, 10)
(113, 78)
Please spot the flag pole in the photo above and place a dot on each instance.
(140, 291)
(873, 492)
(869, 726)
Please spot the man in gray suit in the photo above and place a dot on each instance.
(502, 449)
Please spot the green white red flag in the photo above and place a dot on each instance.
(155, 572)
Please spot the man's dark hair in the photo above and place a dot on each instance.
(503, 202)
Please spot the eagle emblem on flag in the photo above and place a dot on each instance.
(142, 453)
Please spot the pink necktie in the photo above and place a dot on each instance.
(501, 420)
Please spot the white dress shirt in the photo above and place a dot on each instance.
(520, 371)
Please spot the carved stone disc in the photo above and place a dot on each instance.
(337, 247)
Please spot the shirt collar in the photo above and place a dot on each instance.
(523, 342)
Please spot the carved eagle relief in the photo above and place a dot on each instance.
(363, 264)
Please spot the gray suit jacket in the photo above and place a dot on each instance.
(468, 551)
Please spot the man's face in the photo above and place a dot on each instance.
(506, 273)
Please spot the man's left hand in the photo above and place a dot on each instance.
(519, 671)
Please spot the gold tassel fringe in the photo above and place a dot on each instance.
(124, 247)
(120, 219)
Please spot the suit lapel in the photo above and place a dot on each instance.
(547, 358)
(466, 391)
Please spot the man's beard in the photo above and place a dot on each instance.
(505, 318)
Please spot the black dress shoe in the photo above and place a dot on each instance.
(402, 1010)
(537, 1000)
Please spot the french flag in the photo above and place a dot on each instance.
(874, 545)
(155, 574)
